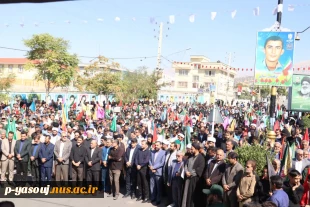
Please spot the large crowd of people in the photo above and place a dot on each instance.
(157, 150)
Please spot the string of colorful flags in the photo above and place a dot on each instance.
(200, 66)
(172, 18)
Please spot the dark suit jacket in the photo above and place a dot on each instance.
(204, 137)
(36, 155)
(95, 159)
(216, 175)
(199, 165)
(294, 196)
(127, 154)
(47, 152)
(24, 152)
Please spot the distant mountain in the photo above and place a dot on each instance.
(247, 80)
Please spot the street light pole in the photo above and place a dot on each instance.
(273, 92)
(297, 38)
(279, 14)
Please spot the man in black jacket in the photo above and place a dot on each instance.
(131, 168)
(293, 188)
(21, 151)
(78, 153)
(34, 161)
(92, 160)
(142, 161)
(115, 166)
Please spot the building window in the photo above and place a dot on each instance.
(209, 73)
(183, 72)
(172, 84)
(1, 68)
(182, 84)
(195, 85)
(195, 78)
(197, 66)
(20, 68)
(10, 68)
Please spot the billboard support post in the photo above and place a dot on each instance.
(273, 92)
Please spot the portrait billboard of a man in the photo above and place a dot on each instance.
(300, 99)
(274, 58)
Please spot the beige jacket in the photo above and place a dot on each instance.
(6, 149)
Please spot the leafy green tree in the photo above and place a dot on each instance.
(100, 80)
(306, 121)
(141, 84)
(50, 57)
(6, 82)
(256, 153)
(282, 91)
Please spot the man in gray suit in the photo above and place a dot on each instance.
(21, 150)
(62, 153)
(231, 180)
(299, 163)
(34, 162)
(7, 158)
(156, 165)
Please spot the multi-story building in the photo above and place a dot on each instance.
(192, 81)
(25, 79)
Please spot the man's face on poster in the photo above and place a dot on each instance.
(305, 88)
(72, 100)
(273, 50)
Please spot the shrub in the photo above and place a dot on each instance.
(256, 153)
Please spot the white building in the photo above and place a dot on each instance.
(192, 80)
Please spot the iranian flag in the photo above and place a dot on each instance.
(287, 67)
(286, 162)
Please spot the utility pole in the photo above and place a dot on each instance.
(229, 65)
(279, 14)
(160, 41)
(273, 92)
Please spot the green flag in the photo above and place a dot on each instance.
(187, 139)
(11, 127)
(113, 127)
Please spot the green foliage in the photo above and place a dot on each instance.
(127, 86)
(6, 81)
(141, 84)
(264, 91)
(101, 80)
(4, 97)
(282, 91)
(49, 55)
(104, 82)
(306, 121)
(256, 153)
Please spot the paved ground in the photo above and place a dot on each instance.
(76, 202)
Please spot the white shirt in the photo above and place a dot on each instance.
(140, 139)
(54, 139)
(62, 144)
(298, 165)
(160, 138)
(215, 166)
(131, 154)
(92, 152)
